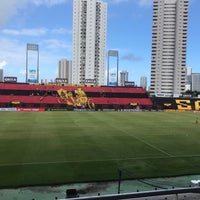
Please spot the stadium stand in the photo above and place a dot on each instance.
(72, 96)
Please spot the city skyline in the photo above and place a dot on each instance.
(49, 24)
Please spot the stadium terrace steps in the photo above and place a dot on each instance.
(28, 99)
(124, 101)
(40, 95)
(102, 89)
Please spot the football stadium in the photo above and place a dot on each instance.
(61, 134)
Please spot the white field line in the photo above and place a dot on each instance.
(154, 147)
(90, 161)
(78, 161)
(148, 144)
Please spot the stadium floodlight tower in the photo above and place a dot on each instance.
(113, 68)
(32, 63)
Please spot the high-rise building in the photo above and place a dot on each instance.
(65, 70)
(123, 77)
(196, 82)
(169, 41)
(143, 82)
(188, 82)
(89, 42)
(1, 75)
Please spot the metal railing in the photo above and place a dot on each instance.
(175, 191)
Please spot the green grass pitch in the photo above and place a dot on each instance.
(47, 148)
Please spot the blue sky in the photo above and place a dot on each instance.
(49, 24)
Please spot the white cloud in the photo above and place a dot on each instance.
(12, 51)
(61, 31)
(55, 44)
(3, 64)
(22, 72)
(131, 57)
(48, 2)
(145, 2)
(35, 32)
(10, 8)
(25, 32)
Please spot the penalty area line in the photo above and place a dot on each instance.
(100, 160)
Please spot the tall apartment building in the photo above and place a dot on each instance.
(65, 70)
(188, 81)
(123, 77)
(89, 41)
(1, 75)
(169, 41)
(143, 82)
(196, 82)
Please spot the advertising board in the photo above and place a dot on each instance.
(32, 76)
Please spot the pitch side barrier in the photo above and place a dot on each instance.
(142, 194)
(22, 109)
(181, 104)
